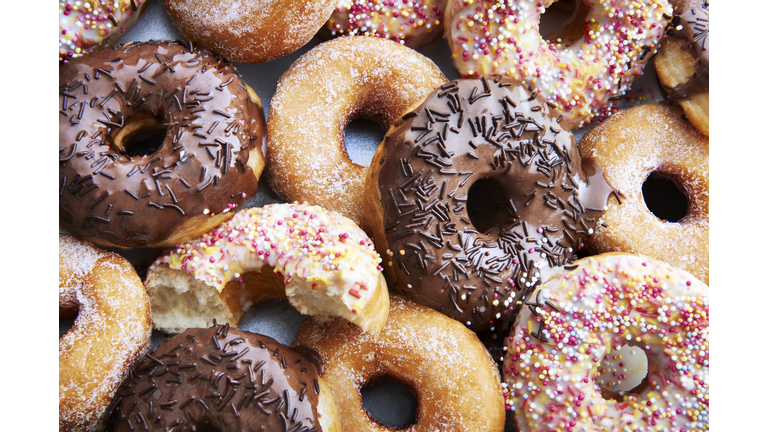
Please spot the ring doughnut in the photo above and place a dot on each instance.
(614, 342)
(476, 191)
(447, 368)
(318, 96)
(83, 27)
(648, 142)
(408, 22)
(579, 68)
(103, 294)
(247, 31)
(321, 261)
(115, 104)
(682, 63)
(224, 379)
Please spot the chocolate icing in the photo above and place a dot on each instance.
(466, 131)
(201, 166)
(219, 379)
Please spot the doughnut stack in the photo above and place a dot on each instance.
(511, 276)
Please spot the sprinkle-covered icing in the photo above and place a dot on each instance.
(301, 242)
(556, 355)
(409, 22)
(83, 24)
(580, 72)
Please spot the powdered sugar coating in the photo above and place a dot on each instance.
(112, 331)
(632, 144)
(316, 98)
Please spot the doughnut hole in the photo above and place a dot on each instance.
(486, 205)
(563, 20)
(361, 139)
(622, 372)
(141, 135)
(389, 402)
(665, 198)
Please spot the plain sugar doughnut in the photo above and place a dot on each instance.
(337, 81)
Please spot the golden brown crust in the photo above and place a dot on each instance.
(632, 144)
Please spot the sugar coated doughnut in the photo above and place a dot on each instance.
(225, 380)
(87, 25)
(644, 143)
(111, 332)
(473, 193)
(250, 31)
(447, 368)
(158, 143)
(615, 342)
(682, 63)
(409, 22)
(579, 68)
(320, 260)
(318, 96)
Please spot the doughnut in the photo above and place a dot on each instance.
(615, 342)
(682, 63)
(444, 364)
(580, 68)
(474, 192)
(223, 379)
(249, 31)
(315, 100)
(412, 23)
(321, 261)
(158, 143)
(84, 26)
(103, 294)
(641, 144)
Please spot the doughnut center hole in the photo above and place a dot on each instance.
(623, 371)
(563, 20)
(361, 139)
(664, 197)
(141, 135)
(486, 205)
(390, 402)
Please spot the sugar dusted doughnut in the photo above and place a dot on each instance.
(473, 193)
(318, 96)
(84, 25)
(250, 31)
(103, 294)
(444, 364)
(207, 122)
(646, 142)
(580, 67)
(614, 342)
(409, 22)
(321, 261)
(225, 380)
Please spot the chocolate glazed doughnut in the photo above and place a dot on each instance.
(113, 102)
(476, 191)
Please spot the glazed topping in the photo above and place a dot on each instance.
(202, 112)
(409, 22)
(300, 242)
(541, 202)
(568, 335)
(83, 24)
(219, 379)
(579, 72)
(693, 24)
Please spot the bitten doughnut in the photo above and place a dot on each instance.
(580, 68)
(158, 143)
(103, 294)
(409, 22)
(454, 379)
(473, 193)
(615, 342)
(85, 25)
(320, 260)
(644, 143)
(249, 31)
(318, 96)
(682, 62)
(225, 380)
